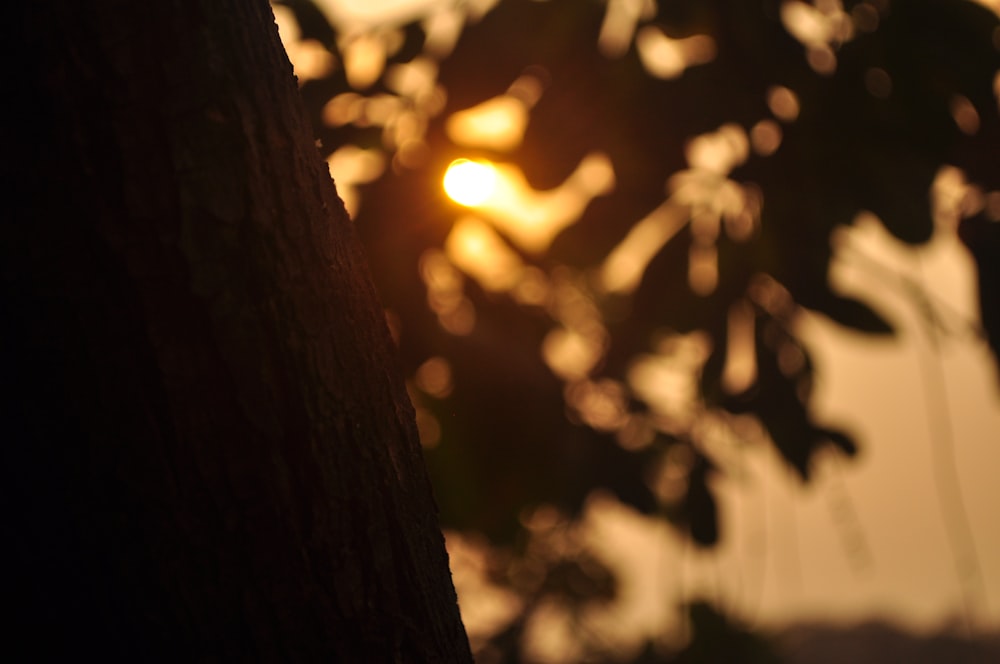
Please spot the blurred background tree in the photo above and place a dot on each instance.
(662, 189)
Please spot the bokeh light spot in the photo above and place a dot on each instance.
(496, 123)
(783, 103)
(470, 182)
(878, 83)
(965, 115)
(433, 377)
(865, 17)
(765, 137)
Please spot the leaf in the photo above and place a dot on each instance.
(855, 314)
(840, 439)
(699, 506)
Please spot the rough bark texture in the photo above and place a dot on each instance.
(208, 451)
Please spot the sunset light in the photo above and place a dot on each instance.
(470, 182)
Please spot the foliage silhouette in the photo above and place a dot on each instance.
(875, 121)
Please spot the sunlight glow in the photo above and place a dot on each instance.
(532, 219)
(470, 182)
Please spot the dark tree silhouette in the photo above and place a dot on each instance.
(209, 453)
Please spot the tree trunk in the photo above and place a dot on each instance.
(209, 453)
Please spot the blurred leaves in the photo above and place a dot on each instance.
(780, 397)
(855, 110)
(698, 506)
(864, 120)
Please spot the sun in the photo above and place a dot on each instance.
(470, 182)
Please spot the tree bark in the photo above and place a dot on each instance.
(209, 453)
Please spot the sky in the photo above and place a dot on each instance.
(878, 537)
(907, 531)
